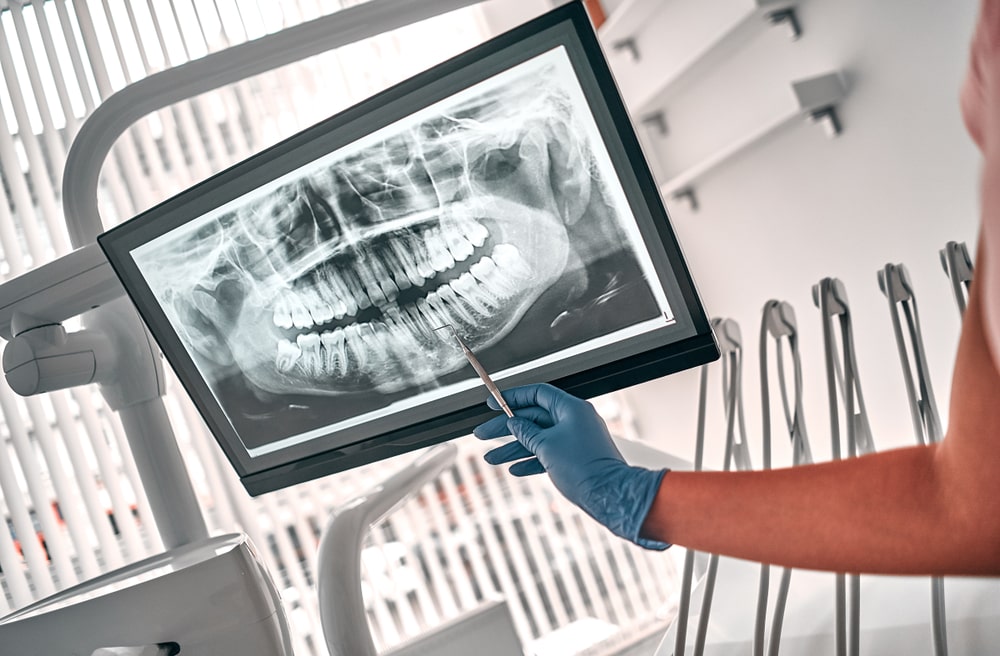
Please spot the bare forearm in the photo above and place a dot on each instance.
(891, 512)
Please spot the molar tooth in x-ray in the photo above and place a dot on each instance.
(433, 317)
(407, 262)
(365, 271)
(436, 245)
(357, 352)
(486, 271)
(322, 314)
(373, 342)
(475, 232)
(311, 360)
(319, 281)
(288, 354)
(300, 315)
(281, 314)
(447, 303)
(336, 293)
(355, 288)
(400, 278)
(421, 256)
(490, 293)
(459, 247)
(400, 320)
(493, 279)
(421, 320)
(511, 262)
(411, 335)
(334, 351)
(318, 309)
(412, 318)
(402, 338)
(337, 303)
(473, 293)
(388, 287)
(394, 268)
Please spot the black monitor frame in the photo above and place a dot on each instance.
(693, 342)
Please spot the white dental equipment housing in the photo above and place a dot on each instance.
(208, 598)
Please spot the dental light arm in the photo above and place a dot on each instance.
(57, 291)
(47, 358)
(41, 356)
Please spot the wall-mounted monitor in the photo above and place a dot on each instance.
(502, 192)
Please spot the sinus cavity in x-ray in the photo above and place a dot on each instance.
(313, 300)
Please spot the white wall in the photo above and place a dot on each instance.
(894, 187)
(897, 185)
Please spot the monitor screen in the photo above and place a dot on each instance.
(502, 193)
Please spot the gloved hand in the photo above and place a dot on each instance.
(564, 436)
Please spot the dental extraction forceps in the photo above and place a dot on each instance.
(778, 321)
(958, 265)
(894, 281)
(727, 333)
(483, 375)
(830, 297)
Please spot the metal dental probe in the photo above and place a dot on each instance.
(474, 361)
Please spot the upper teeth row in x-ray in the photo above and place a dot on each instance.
(405, 262)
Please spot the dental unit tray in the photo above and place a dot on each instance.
(502, 192)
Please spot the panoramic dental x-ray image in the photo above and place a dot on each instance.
(312, 302)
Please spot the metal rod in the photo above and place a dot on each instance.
(485, 377)
(895, 283)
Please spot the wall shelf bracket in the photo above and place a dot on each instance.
(655, 123)
(628, 46)
(789, 19)
(828, 118)
(687, 194)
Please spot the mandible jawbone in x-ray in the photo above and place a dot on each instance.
(489, 211)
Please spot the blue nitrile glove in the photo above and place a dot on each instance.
(563, 435)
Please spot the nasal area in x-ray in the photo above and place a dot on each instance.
(495, 208)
